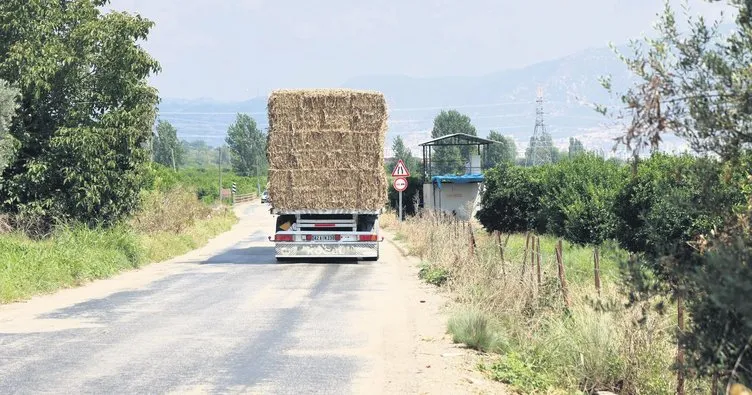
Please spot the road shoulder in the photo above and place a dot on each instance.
(441, 366)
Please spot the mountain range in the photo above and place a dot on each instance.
(504, 101)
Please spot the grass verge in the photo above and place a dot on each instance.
(168, 225)
(537, 344)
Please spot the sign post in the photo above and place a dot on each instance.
(400, 183)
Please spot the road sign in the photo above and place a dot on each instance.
(400, 184)
(400, 170)
(234, 188)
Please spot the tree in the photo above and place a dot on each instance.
(167, 147)
(511, 202)
(575, 147)
(696, 84)
(400, 151)
(84, 122)
(247, 146)
(504, 151)
(448, 160)
(8, 107)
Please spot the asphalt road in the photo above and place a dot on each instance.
(223, 319)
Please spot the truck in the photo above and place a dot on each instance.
(327, 184)
(326, 234)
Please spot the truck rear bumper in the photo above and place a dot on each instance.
(327, 250)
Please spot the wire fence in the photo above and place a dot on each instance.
(518, 273)
(531, 259)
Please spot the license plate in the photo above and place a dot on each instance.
(323, 237)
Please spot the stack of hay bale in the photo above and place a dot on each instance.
(326, 150)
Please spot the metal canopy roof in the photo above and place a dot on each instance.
(457, 139)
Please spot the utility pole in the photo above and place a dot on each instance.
(174, 167)
(220, 174)
(258, 182)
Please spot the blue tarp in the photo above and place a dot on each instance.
(463, 179)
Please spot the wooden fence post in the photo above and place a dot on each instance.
(524, 258)
(562, 275)
(501, 252)
(679, 349)
(532, 259)
(539, 264)
(472, 239)
(597, 262)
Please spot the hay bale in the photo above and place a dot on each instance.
(326, 149)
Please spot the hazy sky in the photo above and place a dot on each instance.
(237, 49)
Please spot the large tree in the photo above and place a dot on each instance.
(503, 151)
(167, 148)
(247, 146)
(448, 160)
(86, 112)
(8, 107)
(698, 85)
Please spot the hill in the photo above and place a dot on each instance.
(502, 101)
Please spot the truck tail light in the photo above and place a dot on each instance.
(368, 238)
(279, 237)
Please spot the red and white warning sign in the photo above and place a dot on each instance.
(400, 170)
(400, 184)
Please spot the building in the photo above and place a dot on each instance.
(451, 186)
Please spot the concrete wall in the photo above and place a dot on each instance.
(427, 197)
(453, 197)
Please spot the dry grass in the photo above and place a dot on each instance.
(172, 211)
(325, 149)
(596, 344)
(5, 224)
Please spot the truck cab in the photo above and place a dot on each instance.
(327, 234)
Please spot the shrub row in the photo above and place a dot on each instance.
(683, 217)
(587, 200)
(205, 181)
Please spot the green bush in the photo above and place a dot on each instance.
(512, 199)
(512, 369)
(670, 200)
(203, 181)
(433, 274)
(657, 210)
(579, 197)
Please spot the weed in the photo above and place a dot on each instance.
(522, 375)
(75, 254)
(433, 275)
(476, 329)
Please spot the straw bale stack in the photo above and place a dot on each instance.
(326, 149)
